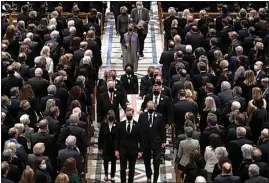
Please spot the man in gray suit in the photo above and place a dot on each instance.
(140, 18)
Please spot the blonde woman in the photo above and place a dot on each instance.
(189, 85)
(210, 107)
(62, 178)
(248, 83)
(45, 52)
(257, 114)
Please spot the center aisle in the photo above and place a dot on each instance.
(111, 52)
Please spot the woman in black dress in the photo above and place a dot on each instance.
(107, 136)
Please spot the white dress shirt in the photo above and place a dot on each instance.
(131, 125)
(152, 115)
(158, 99)
(110, 125)
(111, 95)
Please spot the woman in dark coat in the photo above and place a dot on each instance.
(107, 136)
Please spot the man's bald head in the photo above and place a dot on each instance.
(265, 133)
(91, 34)
(226, 168)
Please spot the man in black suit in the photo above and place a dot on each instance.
(10, 81)
(254, 173)
(225, 75)
(213, 47)
(39, 85)
(78, 22)
(75, 130)
(166, 59)
(110, 100)
(129, 80)
(178, 59)
(227, 175)
(70, 152)
(164, 90)
(152, 130)
(15, 104)
(24, 15)
(162, 103)
(180, 109)
(79, 54)
(51, 95)
(96, 49)
(234, 149)
(128, 145)
(39, 63)
(243, 33)
(194, 38)
(259, 72)
(197, 78)
(61, 18)
(146, 82)
(54, 124)
(48, 139)
(5, 169)
(178, 85)
(224, 37)
(209, 89)
(177, 77)
(264, 145)
(67, 39)
(61, 92)
(226, 94)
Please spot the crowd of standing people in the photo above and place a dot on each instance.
(212, 91)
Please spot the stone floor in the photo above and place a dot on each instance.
(111, 53)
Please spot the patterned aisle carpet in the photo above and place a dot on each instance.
(111, 52)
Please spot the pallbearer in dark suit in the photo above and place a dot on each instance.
(106, 143)
(110, 100)
(152, 130)
(127, 145)
(129, 80)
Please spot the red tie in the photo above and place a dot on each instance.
(110, 96)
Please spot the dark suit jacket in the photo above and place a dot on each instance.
(224, 38)
(106, 140)
(78, 25)
(5, 180)
(146, 82)
(78, 55)
(264, 148)
(10, 82)
(63, 95)
(104, 105)
(225, 96)
(54, 126)
(164, 107)
(257, 179)
(96, 52)
(164, 91)
(172, 67)
(128, 143)
(243, 33)
(176, 87)
(156, 137)
(197, 80)
(130, 85)
(262, 74)
(39, 86)
(48, 140)
(44, 100)
(226, 179)
(66, 153)
(145, 18)
(216, 98)
(166, 59)
(31, 73)
(119, 87)
(235, 154)
(195, 40)
(179, 110)
(67, 40)
(24, 16)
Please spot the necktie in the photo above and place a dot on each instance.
(139, 15)
(110, 97)
(129, 127)
(156, 100)
(150, 120)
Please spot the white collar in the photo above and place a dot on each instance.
(258, 72)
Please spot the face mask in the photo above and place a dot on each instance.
(111, 90)
(151, 74)
(139, 7)
(156, 92)
(43, 167)
(129, 118)
(128, 72)
(159, 83)
(256, 68)
(130, 29)
(150, 111)
(114, 77)
(111, 118)
(155, 75)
